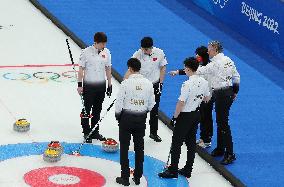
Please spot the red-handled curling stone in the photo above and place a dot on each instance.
(110, 145)
(55, 145)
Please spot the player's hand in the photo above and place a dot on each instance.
(206, 99)
(117, 117)
(109, 90)
(80, 90)
(174, 73)
(160, 88)
(234, 97)
(173, 121)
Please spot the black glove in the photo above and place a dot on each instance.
(160, 88)
(236, 88)
(117, 117)
(173, 121)
(181, 72)
(109, 90)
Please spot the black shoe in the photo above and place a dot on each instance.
(88, 140)
(228, 159)
(122, 181)
(136, 180)
(184, 172)
(155, 137)
(168, 174)
(98, 136)
(217, 152)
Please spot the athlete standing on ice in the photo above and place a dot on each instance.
(94, 66)
(134, 100)
(153, 67)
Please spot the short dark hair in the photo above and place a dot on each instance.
(134, 64)
(216, 44)
(191, 63)
(147, 42)
(100, 37)
(202, 51)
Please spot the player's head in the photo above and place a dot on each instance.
(190, 65)
(214, 47)
(134, 64)
(147, 45)
(202, 55)
(100, 40)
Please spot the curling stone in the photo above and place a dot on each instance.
(21, 125)
(55, 145)
(110, 145)
(51, 155)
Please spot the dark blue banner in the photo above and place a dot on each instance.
(260, 21)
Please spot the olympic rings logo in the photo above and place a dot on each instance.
(222, 3)
(41, 77)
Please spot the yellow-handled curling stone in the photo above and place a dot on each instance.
(21, 125)
(53, 152)
(51, 155)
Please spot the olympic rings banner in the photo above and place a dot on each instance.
(40, 76)
(260, 21)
